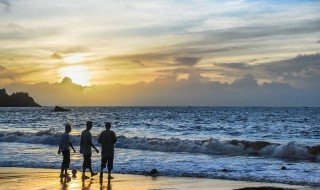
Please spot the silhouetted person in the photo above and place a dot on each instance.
(64, 147)
(85, 149)
(107, 139)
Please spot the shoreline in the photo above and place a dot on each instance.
(42, 178)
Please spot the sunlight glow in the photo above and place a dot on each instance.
(75, 58)
(78, 74)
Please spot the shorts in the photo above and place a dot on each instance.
(86, 161)
(105, 160)
(66, 159)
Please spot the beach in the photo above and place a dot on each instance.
(38, 178)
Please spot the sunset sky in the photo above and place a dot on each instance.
(270, 47)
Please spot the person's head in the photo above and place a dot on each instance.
(89, 125)
(108, 125)
(68, 128)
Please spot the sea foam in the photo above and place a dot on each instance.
(289, 150)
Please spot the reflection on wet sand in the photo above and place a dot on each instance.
(33, 178)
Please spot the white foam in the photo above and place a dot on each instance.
(211, 146)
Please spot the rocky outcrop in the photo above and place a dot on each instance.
(17, 99)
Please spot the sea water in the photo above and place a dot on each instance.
(235, 143)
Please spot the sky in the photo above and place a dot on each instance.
(159, 52)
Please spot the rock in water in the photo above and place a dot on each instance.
(60, 109)
(283, 168)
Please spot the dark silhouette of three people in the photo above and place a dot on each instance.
(107, 139)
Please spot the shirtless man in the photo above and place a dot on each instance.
(107, 139)
(85, 149)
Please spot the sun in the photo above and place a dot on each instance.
(78, 74)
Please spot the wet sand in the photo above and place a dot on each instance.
(34, 178)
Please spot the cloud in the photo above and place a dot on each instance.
(196, 90)
(142, 57)
(302, 71)
(187, 61)
(57, 56)
(138, 62)
(6, 76)
(6, 3)
(237, 66)
(12, 26)
(247, 81)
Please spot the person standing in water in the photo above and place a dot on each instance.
(107, 139)
(85, 149)
(64, 147)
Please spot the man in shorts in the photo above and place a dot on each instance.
(107, 139)
(85, 149)
(64, 147)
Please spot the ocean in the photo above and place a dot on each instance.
(237, 143)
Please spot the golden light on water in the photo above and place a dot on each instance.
(79, 74)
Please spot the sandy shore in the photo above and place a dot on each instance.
(33, 178)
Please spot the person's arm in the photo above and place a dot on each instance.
(94, 147)
(114, 138)
(90, 141)
(99, 139)
(59, 147)
(70, 144)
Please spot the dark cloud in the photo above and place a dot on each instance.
(240, 65)
(57, 56)
(257, 32)
(142, 57)
(247, 81)
(138, 62)
(294, 65)
(196, 90)
(186, 70)
(187, 61)
(6, 3)
(302, 71)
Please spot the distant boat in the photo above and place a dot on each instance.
(60, 109)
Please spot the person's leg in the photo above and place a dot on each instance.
(90, 167)
(103, 165)
(84, 166)
(63, 164)
(67, 153)
(62, 169)
(110, 166)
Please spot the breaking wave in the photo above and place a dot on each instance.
(290, 150)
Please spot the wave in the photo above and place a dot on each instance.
(290, 150)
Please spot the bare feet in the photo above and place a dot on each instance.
(85, 177)
(93, 174)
